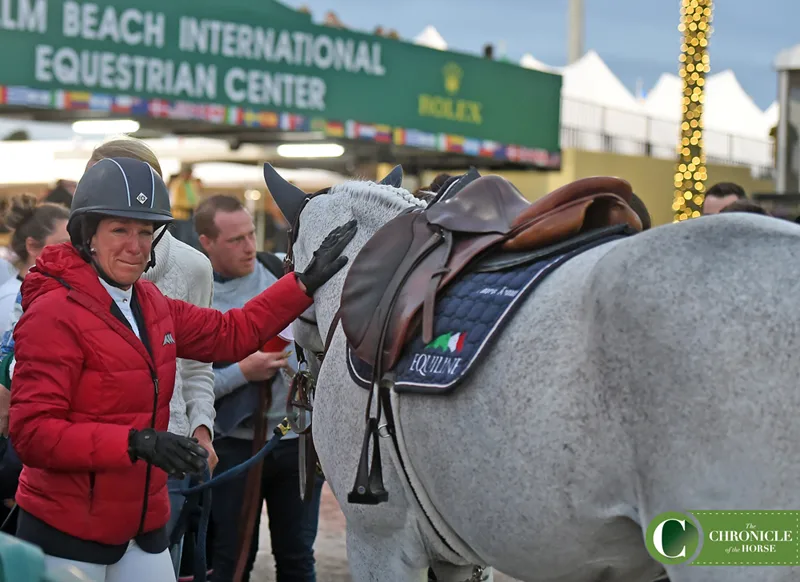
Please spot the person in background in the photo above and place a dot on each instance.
(34, 226)
(745, 206)
(96, 353)
(185, 192)
(720, 195)
(227, 233)
(180, 272)
(638, 206)
(7, 269)
(61, 194)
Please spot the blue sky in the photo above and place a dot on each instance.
(638, 39)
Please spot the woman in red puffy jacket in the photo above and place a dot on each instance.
(96, 350)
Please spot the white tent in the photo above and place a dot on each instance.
(731, 109)
(596, 103)
(528, 61)
(735, 127)
(431, 38)
(663, 101)
(589, 79)
(728, 108)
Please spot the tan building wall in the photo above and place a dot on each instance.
(651, 178)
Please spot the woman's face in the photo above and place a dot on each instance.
(121, 247)
(58, 236)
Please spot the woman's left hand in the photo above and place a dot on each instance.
(203, 436)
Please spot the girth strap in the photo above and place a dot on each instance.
(332, 330)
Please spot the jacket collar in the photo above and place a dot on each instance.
(61, 266)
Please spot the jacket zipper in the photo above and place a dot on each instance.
(149, 466)
(92, 477)
(79, 298)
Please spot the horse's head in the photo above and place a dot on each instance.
(313, 216)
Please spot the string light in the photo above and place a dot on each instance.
(690, 174)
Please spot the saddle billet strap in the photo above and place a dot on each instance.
(429, 302)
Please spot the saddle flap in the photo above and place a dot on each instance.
(407, 313)
(375, 276)
(488, 204)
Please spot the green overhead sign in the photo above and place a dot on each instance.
(263, 64)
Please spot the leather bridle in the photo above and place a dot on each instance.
(288, 267)
(303, 382)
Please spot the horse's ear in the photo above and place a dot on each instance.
(288, 197)
(394, 178)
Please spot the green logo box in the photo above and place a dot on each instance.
(726, 538)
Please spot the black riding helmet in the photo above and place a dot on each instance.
(121, 187)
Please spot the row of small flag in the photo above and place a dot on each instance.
(234, 115)
(442, 142)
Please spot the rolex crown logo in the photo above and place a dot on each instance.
(452, 77)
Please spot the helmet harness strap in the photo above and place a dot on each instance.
(101, 272)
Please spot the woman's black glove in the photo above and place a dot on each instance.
(327, 262)
(177, 455)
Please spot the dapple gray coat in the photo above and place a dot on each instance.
(656, 373)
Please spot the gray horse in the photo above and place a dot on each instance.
(650, 374)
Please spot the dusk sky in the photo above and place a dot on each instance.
(638, 39)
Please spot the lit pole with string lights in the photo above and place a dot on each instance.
(691, 175)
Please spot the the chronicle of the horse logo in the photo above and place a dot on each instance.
(450, 345)
(725, 538)
(672, 538)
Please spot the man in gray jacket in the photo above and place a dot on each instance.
(227, 234)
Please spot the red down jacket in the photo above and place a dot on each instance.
(83, 380)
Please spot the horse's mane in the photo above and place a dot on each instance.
(393, 199)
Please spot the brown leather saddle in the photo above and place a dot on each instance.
(392, 285)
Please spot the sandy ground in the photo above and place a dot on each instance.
(330, 549)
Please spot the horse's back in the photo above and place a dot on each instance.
(647, 375)
(701, 346)
(526, 441)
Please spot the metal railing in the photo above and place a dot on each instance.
(592, 127)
